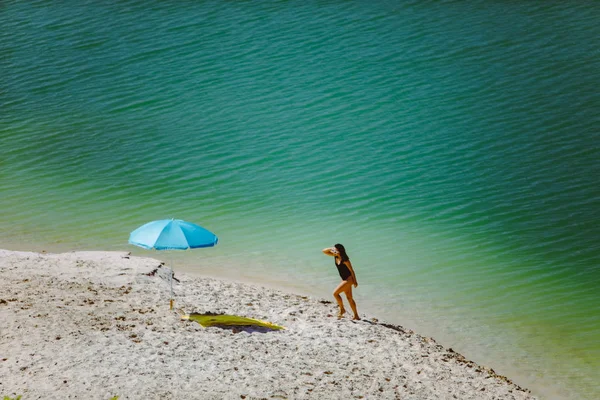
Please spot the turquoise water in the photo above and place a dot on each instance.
(452, 147)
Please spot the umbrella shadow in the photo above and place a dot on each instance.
(247, 329)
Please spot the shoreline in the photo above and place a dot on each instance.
(97, 325)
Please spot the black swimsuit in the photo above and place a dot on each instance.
(343, 270)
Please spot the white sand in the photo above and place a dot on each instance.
(92, 325)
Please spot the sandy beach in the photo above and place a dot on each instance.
(94, 325)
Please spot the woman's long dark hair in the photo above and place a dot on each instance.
(342, 251)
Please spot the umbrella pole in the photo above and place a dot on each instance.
(171, 301)
(172, 273)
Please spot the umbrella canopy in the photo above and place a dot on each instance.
(172, 234)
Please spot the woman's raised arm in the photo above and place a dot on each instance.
(331, 251)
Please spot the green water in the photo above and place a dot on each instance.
(452, 147)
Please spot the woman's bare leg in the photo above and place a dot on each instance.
(342, 287)
(348, 291)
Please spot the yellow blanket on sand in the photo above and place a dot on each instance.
(207, 320)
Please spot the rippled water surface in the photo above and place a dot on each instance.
(453, 147)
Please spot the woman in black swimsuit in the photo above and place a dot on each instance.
(344, 266)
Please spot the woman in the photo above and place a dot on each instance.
(344, 266)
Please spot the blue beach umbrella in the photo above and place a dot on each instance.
(172, 234)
